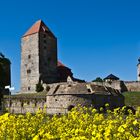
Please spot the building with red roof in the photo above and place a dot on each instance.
(63, 72)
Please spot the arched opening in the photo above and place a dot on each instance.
(70, 107)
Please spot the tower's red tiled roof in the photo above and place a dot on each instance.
(38, 27)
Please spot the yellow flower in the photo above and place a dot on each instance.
(36, 137)
(135, 122)
(121, 129)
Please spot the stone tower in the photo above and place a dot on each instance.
(138, 70)
(38, 57)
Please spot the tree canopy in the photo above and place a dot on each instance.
(4, 62)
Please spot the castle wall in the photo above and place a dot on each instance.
(132, 85)
(61, 103)
(29, 63)
(112, 84)
(47, 57)
(24, 106)
(119, 85)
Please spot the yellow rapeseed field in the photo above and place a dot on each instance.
(79, 124)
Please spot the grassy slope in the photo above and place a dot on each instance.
(132, 98)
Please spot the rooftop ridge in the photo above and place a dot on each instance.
(37, 27)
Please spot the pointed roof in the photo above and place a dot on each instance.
(59, 64)
(37, 27)
(112, 77)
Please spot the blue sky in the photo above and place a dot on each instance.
(95, 37)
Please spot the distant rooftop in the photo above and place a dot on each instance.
(112, 77)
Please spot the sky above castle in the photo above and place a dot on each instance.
(95, 37)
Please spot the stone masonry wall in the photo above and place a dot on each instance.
(38, 60)
(29, 63)
(133, 86)
(24, 106)
(113, 84)
(61, 103)
(47, 57)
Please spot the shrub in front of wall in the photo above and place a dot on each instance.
(39, 87)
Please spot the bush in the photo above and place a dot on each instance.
(39, 87)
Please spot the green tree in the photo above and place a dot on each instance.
(39, 87)
(4, 62)
(98, 79)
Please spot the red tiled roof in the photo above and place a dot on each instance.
(37, 27)
(60, 64)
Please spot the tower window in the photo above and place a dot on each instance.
(22, 104)
(29, 56)
(45, 41)
(44, 35)
(29, 88)
(28, 71)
